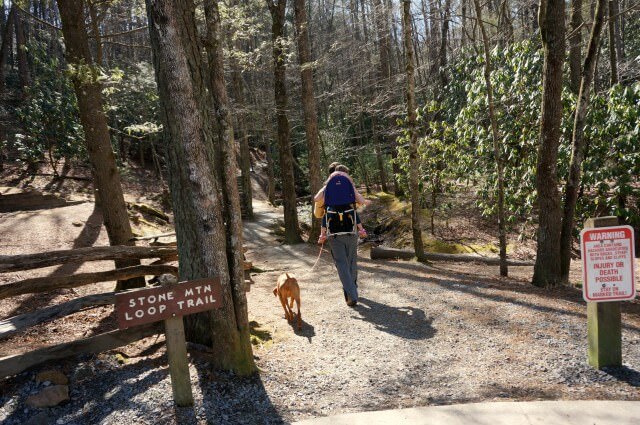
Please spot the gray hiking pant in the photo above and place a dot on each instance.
(344, 250)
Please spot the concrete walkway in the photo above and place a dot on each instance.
(503, 413)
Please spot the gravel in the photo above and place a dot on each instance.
(420, 335)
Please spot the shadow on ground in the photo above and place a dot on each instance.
(405, 322)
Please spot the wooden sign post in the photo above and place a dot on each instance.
(608, 278)
(170, 303)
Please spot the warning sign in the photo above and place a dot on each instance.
(607, 264)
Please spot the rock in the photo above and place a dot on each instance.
(83, 372)
(41, 418)
(49, 397)
(53, 376)
(77, 223)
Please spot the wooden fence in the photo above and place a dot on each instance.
(17, 363)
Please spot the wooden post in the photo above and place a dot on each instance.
(604, 323)
(178, 361)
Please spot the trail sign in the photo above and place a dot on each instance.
(154, 304)
(608, 264)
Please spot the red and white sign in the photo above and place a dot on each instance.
(608, 264)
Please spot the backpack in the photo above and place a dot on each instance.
(340, 204)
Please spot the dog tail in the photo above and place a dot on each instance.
(287, 274)
(275, 291)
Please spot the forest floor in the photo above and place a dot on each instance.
(433, 334)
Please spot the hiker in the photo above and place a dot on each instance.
(341, 227)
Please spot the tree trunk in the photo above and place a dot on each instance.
(379, 160)
(502, 234)
(226, 157)
(292, 233)
(613, 51)
(505, 22)
(442, 52)
(241, 118)
(95, 26)
(578, 146)
(5, 49)
(85, 77)
(547, 269)
(309, 106)
(575, 45)
(23, 65)
(245, 153)
(198, 204)
(384, 50)
(412, 121)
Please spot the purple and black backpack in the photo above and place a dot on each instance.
(340, 203)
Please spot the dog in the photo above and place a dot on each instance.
(288, 291)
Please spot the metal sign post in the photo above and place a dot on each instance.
(608, 278)
(170, 303)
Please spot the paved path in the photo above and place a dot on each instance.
(506, 413)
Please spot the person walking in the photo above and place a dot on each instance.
(341, 227)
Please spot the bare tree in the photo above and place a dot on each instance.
(575, 45)
(496, 142)
(552, 30)
(292, 232)
(88, 91)
(199, 220)
(309, 105)
(412, 121)
(578, 143)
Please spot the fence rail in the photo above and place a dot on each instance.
(11, 365)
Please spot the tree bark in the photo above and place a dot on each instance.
(309, 106)
(382, 173)
(412, 121)
(442, 51)
(291, 232)
(575, 46)
(578, 144)
(5, 49)
(196, 195)
(21, 48)
(271, 179)
(241, 119)
(613, 50)
(384, 51)
(502, 234)
(85, 77)
(226, 157)
(552, 30)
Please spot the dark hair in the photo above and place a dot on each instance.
(342, 168)
(333, 166)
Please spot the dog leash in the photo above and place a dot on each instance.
(319, 255)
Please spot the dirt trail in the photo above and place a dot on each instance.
(421, 335)
(439, 334)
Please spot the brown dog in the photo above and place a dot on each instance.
(287, 290)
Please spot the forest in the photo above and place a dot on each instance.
(525, 112)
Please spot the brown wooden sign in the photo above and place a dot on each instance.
(154, 304)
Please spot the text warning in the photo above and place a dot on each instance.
(608, 264)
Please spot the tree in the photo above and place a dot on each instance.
(384, 51)
(578, 143)
(552, 31)
(414, 188)
(613, 41)
(291, 230)
(85, 77)
(309, 105)
(197, 195)
(502, 234)
(575, 45)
